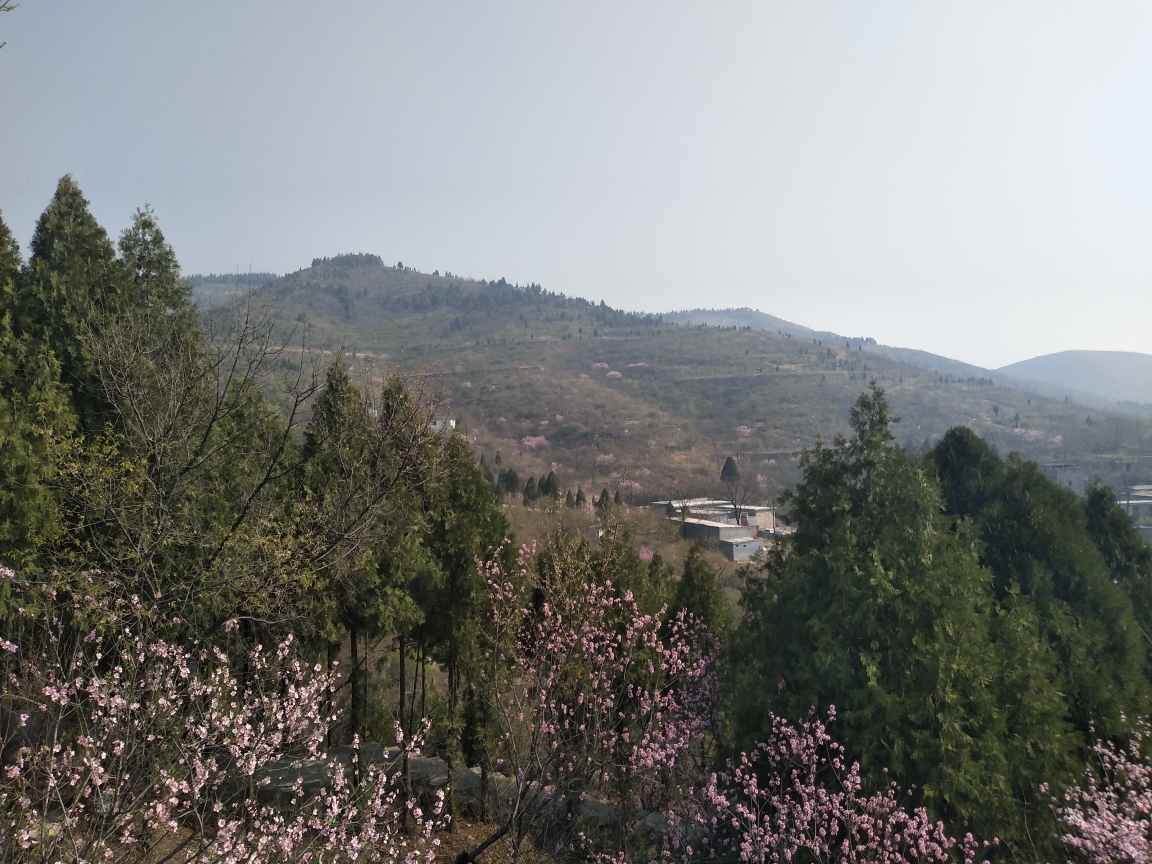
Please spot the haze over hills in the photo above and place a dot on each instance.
(1124, 376)
(1099, 379)
(651, 402)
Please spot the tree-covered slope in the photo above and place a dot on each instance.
(603, 396)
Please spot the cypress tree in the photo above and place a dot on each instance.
(699, 593)
(73, 280)
(33, 404)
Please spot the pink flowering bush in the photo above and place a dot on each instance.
(1109, 818)
(533, 442)
(797, 798)
(630, 487)
(123, 748)
(600, 718)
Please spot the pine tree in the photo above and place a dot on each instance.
(467, 526)
(33, 404)
(73, 281)
(699, 593)
(581, 499)
(878, 605)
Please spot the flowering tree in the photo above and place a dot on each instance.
(1109, 818)
(121, 748)
(600, 719)
(797, 796)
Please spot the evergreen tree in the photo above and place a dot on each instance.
(879, 606)
(581, 499)
(508, 482)
(73, 281)
(700, 594)
(660, 577)
(33, 404)
(1037, 543)
(569, 500)
(1126, 555)
(467, 526)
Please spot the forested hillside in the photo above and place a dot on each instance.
(604, 396)
(255, 606)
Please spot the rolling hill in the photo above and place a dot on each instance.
(1122, 376)
(540, 381)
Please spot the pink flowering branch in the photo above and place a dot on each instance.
(1109, 818)
(796, 797)
(130, 746)
(599, 717)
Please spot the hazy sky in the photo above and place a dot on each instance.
(973, 179)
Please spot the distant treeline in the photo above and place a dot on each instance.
(489, 297)
(351, 259)
(256, 279)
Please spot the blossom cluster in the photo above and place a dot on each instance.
(595, 702)
(796, 796)
(132, 749)
(1109, 817)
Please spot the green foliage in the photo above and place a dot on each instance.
(1037, 544)
(1126, 555)
(880, 605)
(698, 591)
(33, 407)
(73, 281)
(729, 474)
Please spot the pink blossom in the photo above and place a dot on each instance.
(744, 431)
(1109, 817)
(533, 442)
(613, 375)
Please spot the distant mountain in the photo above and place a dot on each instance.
(1120, 376)
(745, 317)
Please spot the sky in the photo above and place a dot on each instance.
(972, 179)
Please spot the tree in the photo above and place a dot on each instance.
(150, 749)
(1126, 555)
(72, 283)
(796, 796)
(591, 706)
(581, 500)
(33, 409)
(699, 593)
(1108, 817)
(878, 605)
(737, 493)
(508, 482)
(1036, 542)
(468, 531)
(368, 462)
